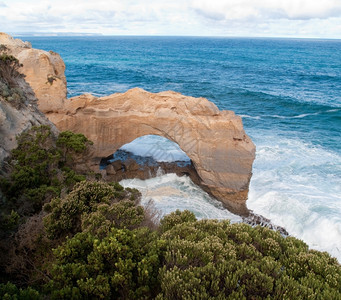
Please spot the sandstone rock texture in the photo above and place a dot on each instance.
(214, 140)
(44, 72)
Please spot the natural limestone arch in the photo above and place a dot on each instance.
(214, 140)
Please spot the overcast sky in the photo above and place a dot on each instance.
(251, 18)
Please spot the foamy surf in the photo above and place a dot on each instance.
(297, 185)
(170, 192)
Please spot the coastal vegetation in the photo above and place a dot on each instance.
(9, 89)
(67, 234)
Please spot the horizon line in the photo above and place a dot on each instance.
(82, 34)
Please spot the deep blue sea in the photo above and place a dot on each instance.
(288, 92)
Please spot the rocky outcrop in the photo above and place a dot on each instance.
(214, 140)
(44, 72)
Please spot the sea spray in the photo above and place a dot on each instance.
(299, 186)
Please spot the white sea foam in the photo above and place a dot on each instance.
(286, 117)
(251, 117)
(170, 192)
(298, 186)
(293, 117)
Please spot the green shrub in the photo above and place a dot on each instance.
(175, 218)
(71, 145)
(122, 265)
(9, 75)
(92, 206)
(70, 141)
(208, 259)
(39, 170)
(10, 292)
(9, 221)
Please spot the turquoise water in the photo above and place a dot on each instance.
(288, 92)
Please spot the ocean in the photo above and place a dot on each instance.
(288, 92)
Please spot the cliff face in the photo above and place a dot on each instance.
(214, 140)
(44, 72)
(13, 122)
(19, 117)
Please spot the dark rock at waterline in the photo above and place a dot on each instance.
(254, 219)
(124, 165)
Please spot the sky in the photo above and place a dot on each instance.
(230, 18)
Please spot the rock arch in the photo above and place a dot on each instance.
(214, 140)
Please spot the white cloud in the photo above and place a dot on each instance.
(298, 18)
(121, 16)
(313, 18)
(268, 9)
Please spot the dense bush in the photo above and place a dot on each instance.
(95, 207)
(190, 259)
(209, 259)
(72, 143)
(10, 292)
(39, 168)
(37, 174)
(108, 253)
(122, 265)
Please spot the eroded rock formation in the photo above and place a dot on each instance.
(13, 122)
(214, 140)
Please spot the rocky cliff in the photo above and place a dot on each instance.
(44, 72)
(18, 102)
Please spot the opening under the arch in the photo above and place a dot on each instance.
(157, 147)
(146, 157)
(155, 166)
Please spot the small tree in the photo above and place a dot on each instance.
(9, 67)
(95, 207)
(72, 143)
